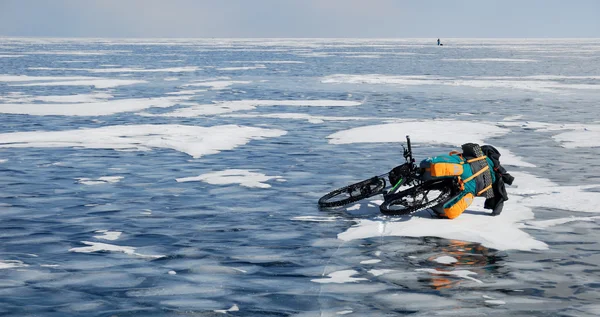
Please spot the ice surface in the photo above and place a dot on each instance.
(104, 247)
(239, 105)
(344, 276)
(193, 140)
(225, 311)
(541, 224)
(245, 178)
(100, 108)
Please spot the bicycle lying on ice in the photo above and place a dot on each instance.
(405, 194)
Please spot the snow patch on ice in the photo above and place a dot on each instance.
(241, 68)
(245, 178)
(100, 180)
(340, 277)
(225, 311)
(459, 273)
(108, 235)
(445, 259)
(372, 261)
(448, 132)
(193, 140)
(380, 272)
(529, 84)
(104, 247)
(11, 264)
(316, 218)
(239, 105)
(219, 84)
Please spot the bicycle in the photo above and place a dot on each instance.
(398, 200)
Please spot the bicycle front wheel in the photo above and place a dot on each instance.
(351, 193)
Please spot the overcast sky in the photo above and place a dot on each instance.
(301, 18)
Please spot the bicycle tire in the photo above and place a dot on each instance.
(401, 203)
(357, 191)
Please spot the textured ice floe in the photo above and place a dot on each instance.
(105, 247)
(245, 178)
(100, 180)
(240, 105)
(344, 276)
(98, 108)
(193, 140)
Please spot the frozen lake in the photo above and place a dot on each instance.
(151, 177)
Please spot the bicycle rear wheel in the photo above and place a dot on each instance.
(351, 193)
(418, 197)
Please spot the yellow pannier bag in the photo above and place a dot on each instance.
(446, 169)
(456, 206)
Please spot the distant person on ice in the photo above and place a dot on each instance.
(439, 42)
(478, 173)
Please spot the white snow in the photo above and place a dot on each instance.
(241, 68)
(512, 60)
(104, 247)
(459, 273)
(100, 108)
(108, 235)
(100, 180)
(193, 140)
(299, 116)
(219, 84)
(445, 259)
(239, 105)
(380, 272)
(448, 132)
(316, 218)
(245, 178)
(224, 311)
(98, 83)
(372, 261)
(122, 69)
(528, 84)
(11, 264)
(339, 277)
